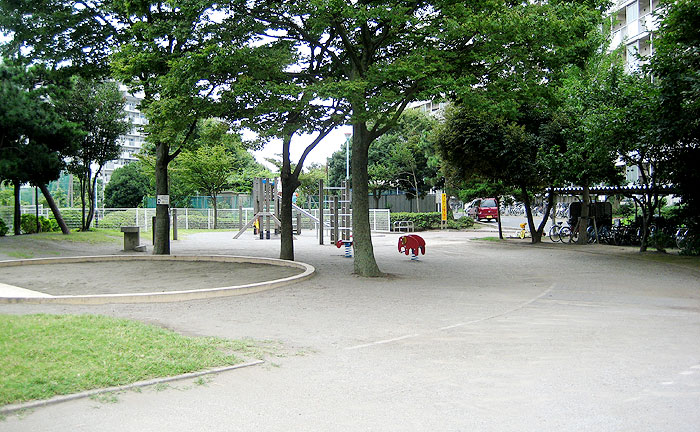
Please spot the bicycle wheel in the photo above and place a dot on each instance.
(554, 233)
(618, 236)
(681, 235)
(592, 235)
(565, 235)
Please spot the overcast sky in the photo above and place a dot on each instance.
(319, 154)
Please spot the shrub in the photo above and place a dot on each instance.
(691, 244)
(427, 221)
(3, 228)
(49, 225)
(28, 224)
(461, 223)
(117, 219)
(661, 241)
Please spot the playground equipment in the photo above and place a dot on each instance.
(266, 207)
(334, 212)
(339, 211)
(523, 230)
(412, 243)
(348, 247)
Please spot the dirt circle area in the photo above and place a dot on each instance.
(138, 276)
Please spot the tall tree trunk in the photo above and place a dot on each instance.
(290, 182)
(18, 209)
(583, 225)
(54, 208)
(545, 217)
(498, 212)
(415, 184)
(376, 194)
(528, 213)
(161, 244)
(83, 187)
(289, 185)
(36, 210)
(364, 264)
(216, 211)
(92, 200)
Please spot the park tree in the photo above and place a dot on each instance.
(219, 154)
(475, 144)
(180, 55)
(467, 188)
(309, 179)
(384, 55)
(410, 147)
(127, 187)
(292, 97)
(33, 137)
(338, 165)
(208, 169)
(676, 67)
(381, 171)
(507, 111)
(404, 157)
(97, 110)
(182, 59)
(585, 123)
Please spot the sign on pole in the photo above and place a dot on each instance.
(443, 207)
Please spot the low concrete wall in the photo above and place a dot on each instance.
(10, 296)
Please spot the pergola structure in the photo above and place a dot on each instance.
(619, 190)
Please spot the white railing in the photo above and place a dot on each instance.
(188, 218)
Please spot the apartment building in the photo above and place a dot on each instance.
(632, 26)
(134, 139)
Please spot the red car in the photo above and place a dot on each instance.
(487, 209)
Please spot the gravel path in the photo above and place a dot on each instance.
(476, 335)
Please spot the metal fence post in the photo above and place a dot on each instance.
(174, 224)
(320, 211)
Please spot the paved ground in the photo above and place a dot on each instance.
(477, 336)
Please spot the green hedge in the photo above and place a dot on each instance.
(117, 219)
(3, 228)
(428, 221)
(28, 224)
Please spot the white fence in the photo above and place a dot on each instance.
(188, 218)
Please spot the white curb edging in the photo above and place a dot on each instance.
(161, 297)
(9, 409)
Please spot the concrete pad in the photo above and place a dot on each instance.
(10, 291)
(477, 336)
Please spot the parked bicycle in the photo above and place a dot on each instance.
(681, 237)
(555, 230)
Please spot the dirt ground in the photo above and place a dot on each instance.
(122, 277)
(475, 336)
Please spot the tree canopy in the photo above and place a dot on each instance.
(127, 187)
(97, 110)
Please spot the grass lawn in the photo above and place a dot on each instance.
(46, 355)
(97, 236)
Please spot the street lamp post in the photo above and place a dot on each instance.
(347, 155)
